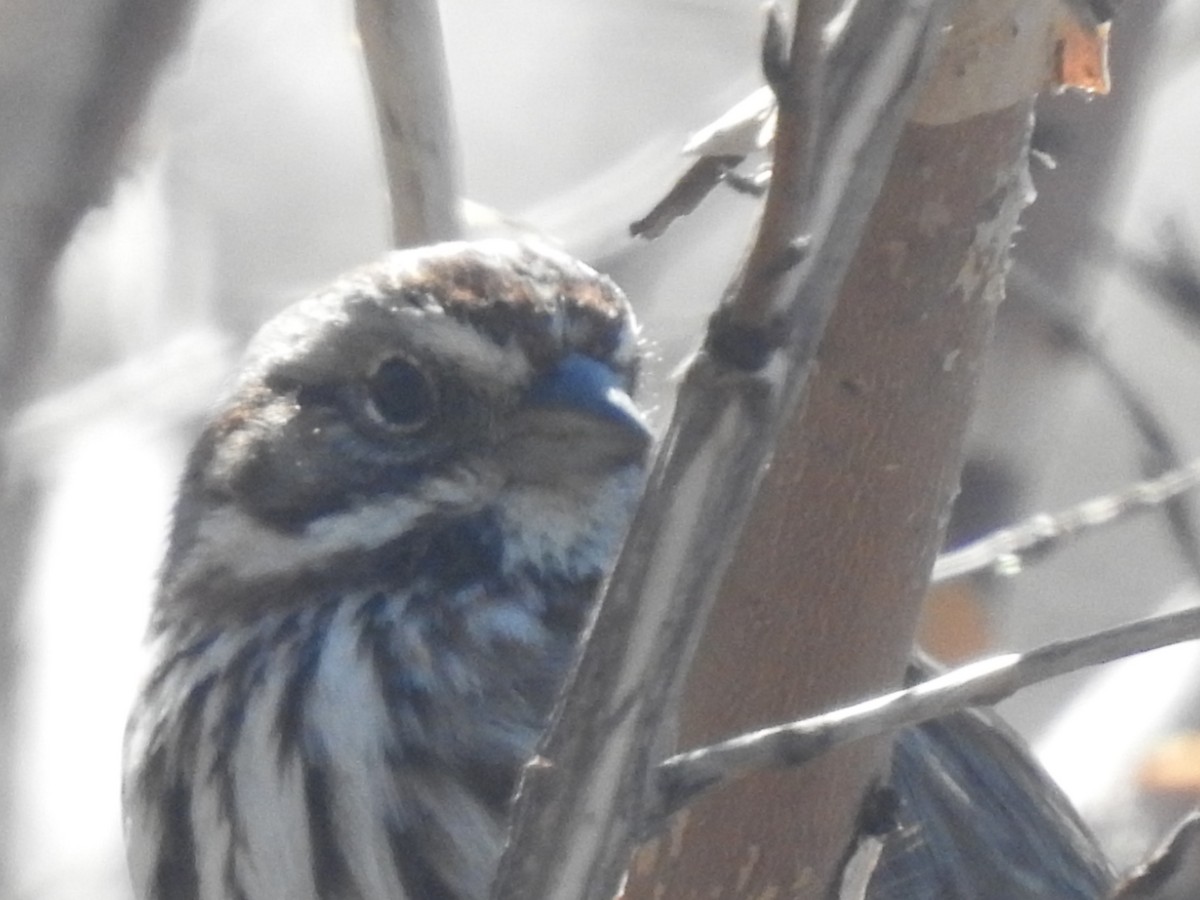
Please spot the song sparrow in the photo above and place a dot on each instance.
(384, 548)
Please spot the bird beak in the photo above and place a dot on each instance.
(576, 418)
(583, 385)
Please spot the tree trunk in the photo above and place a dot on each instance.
(821, 605)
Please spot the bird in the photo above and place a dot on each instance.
(386, 542)
(978, 818)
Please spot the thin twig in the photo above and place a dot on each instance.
(1008, 550)
(402, 43)
(685, 195)
(787, 214)
(746, 128)
(684, 777)
(1171, 871)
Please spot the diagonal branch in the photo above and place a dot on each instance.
(683, 778)
(1007, 550)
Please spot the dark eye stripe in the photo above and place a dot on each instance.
(314, 395)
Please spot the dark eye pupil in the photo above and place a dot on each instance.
(401, 394)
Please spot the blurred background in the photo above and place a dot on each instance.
(255, 176)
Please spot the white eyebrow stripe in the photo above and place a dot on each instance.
(440, 338)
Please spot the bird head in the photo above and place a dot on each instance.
(486, 383)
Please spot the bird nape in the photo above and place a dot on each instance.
(386, 543)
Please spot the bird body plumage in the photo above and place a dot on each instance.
(362, 625)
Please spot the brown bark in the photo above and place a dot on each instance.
(821, 604)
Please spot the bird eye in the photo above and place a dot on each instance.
(400, 395)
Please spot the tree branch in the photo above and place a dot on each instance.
(686, 776)
(402, 44)
(1008, 550)
(820, 605)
